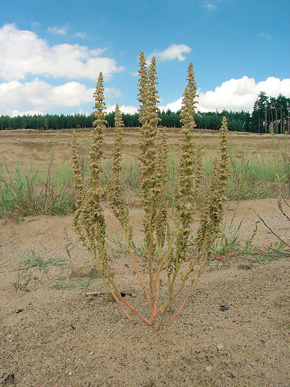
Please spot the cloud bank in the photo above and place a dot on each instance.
(29, 58)
(175, 51)
(39, 96)
(124, 109)
(29, 65)
(237, 94)
(28, 55)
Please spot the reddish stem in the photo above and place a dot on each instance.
(285, 201)
(281, 209)
(121, 307)
(277, 236)
(127, 303)
(186, 298)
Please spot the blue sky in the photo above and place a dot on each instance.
(53, 50)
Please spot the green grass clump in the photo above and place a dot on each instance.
(29, 192)
(59, 272)
(31, 260)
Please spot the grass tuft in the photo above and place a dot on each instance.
(27, 192)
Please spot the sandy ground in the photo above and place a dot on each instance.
(23, 146)
(52, 334)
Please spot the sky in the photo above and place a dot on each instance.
(53, 50)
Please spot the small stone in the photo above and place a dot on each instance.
(9, 380)
(209, 368)
(245, 267)
(220, 346)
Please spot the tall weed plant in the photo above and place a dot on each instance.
(166, 231)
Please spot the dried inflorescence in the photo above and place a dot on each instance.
(114, 189)
(185, 190)
(212, 211)
(166, 245)
(89, 221)
(152, 160)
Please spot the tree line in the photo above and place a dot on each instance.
(266, 111)
(271, 110)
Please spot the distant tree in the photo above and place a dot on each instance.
(259, 115)
(270, 110)
(110, 118)
(266, 110)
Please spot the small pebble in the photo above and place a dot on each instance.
(220, 346)
(209, 368)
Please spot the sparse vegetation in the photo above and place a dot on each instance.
(30, 192)
(32, 259)
(20, 283)
(46, 188)
(59, 272)
(282, 244)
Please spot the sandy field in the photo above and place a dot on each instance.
(52, 334)
(23, 146)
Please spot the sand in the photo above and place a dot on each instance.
(52, 334)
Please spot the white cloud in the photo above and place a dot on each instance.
(237, 94)
(16, 112)
(58, 30)
(175, 51)
(209, 5)
(27, 54)
(241, 94)
(173, 106)
(124, 109)
(80, 35)
(39, 96)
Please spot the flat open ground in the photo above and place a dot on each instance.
(51, 334)
(22, 146)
